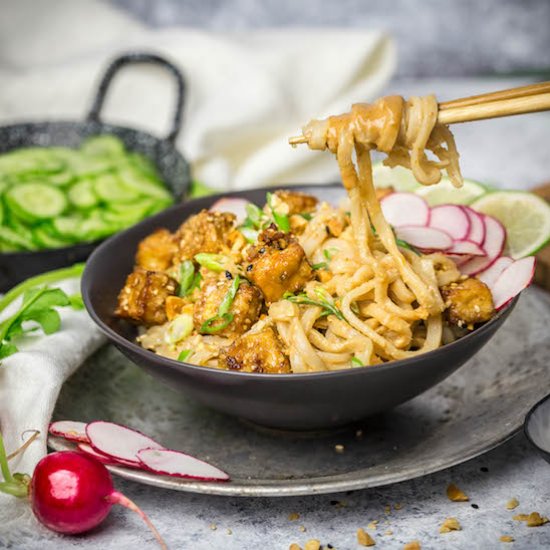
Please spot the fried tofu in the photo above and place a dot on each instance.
(277, 264)
(298, 203)
(256, 352)
(156, 252)
(174, 306)
(142, 300)
(468, 302)
(206, 231)
(245, 307)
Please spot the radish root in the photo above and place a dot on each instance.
(35, 434)
(118, 498)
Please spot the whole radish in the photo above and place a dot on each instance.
(70, 492)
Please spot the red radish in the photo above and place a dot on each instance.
(89, 450)
(401, 209)
(459, 259)
(490, 275)
(477, 227)
(426, 238)
(452, 219)
(234, 206)
(72, 493)
(176, 464)
(513, 280)
(465, 248)
(118, 442)
(69, 429)
(495, 238)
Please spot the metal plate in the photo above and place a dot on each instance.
(474, 410)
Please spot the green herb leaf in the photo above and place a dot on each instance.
(217, 323)
(254, 215)
(320, 265)
(214, 262)
(187, 274)
(7, 349)
(229, 298)
(76, 301)
(184, 354)
(306, 215)
(48, 319)
(281, 220)
(327, 304)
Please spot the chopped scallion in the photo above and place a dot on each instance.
(184, 354)
(281, 220)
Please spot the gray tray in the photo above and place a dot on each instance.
(474, 410)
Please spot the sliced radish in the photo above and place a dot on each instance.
(234, 206)
(176, 464)
(477, 227)
(426, 238)
(118, 442)
(401, 209)
(87, 449)
(495, 237)
(513, 280)
(490, 275)
(466, 248)
(452, 219)
(69, 429)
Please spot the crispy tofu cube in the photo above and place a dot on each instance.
(156, 252)
(298, 203)
(256, 352)
(142, 300)
(206, 231)
(245, 307)
(469, 302)
(277, 264)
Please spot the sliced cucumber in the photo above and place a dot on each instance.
(68, 227)
(31, 160)
(44, 237)
(144, 185)
(110, 188)
(82, 194)
(13, 240)
(33, 202)
(105, 145)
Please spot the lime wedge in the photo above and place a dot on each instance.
(445, 192)
(525, 216)
(401, 179)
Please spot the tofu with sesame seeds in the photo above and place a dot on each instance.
(468, 302)
(156, 252)
(142, 300)
(298, 203)
(245, 307)
(277, 264)
(260, 351)
(207, 232)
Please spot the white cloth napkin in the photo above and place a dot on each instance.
(30, 381)
(247, 91)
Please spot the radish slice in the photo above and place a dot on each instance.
(495, 237)
(490, 275)
(234, 206)
(401, 209)
(426, 238)
(69, 429)
(459, 259)
(477, 227)
(118, 442)
(88, 449)
(466, 248)
(176, 464)
(513, 280)
(452, 219)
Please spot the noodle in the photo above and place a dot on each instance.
(373, 301)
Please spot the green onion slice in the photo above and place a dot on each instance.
(187, 275)
(356, 362)
(281, 220)
(217, 323)
(214, 262)
(184, 354)
(229, 298)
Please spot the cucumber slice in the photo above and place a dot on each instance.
(144, 165)
(13, 240)
(68, 227)
(44, 237)
(128, 214)
(142, 184)
(31, 160)
(33, 202)
(61, 179)
(445, 192)
(104, 146)
(82, 194)
(111, 189)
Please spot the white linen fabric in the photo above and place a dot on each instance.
(247, 93)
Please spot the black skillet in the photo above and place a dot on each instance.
(173, 168)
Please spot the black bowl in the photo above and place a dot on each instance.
(172, 167)
(287, 401)
(537, 427)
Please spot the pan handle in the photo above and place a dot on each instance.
(141, 57)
